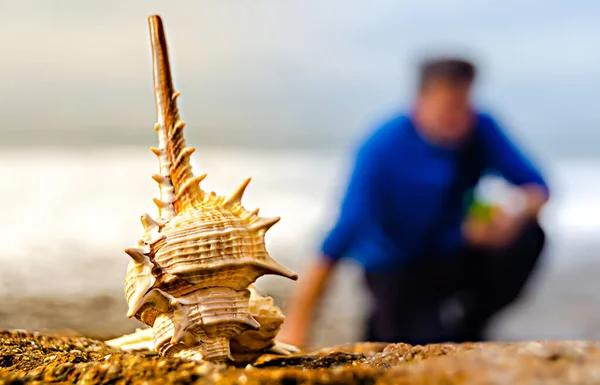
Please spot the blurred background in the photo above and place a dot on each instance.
(280, 91)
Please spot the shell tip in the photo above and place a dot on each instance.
(279, 269)
(254, 324)
(159, 178)
(136, 254)
(160, 204)
(148, 222)
(236, 196)
(264, 224)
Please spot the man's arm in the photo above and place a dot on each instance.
(303, 300)
(535, 197)
(505, 157)
(356, 208)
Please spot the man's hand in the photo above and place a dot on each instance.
(499, 231)
(502, 228)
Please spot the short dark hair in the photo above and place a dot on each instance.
(457, 71)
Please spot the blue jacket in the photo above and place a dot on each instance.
(405, 195)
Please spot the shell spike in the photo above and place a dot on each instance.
(284, 349)
(279, 269)
(264, 224)
(195, 181)
(136, 254)
(180, 321)
(160, 178)
(236, 196)
(183, 158)
(148, 223)
(162, 205)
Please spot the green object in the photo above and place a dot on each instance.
(476, 208)
(480, 211)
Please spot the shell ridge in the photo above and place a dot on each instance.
(188, 184)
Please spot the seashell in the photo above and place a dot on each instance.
(141, 339)
(190, 277)
(246, 347)
(251, 343)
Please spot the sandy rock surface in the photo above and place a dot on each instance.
(42, 358)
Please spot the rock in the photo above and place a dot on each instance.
(42, 358)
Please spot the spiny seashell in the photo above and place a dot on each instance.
(190, 276)
(244, 348)
(248, 345)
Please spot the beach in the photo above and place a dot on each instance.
(68, 214)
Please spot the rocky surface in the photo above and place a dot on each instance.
(43, 358)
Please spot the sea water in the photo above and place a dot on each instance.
(68, 214)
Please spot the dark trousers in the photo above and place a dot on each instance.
(407, 302)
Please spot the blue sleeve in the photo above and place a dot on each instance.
(357, 205)
(503, 156)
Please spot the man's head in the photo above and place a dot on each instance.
(444, 108)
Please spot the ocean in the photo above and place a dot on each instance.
(68, 214)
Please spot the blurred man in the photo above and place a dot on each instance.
(405, 219)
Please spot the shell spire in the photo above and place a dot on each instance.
(178, 186)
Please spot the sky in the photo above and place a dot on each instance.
(292, 73)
